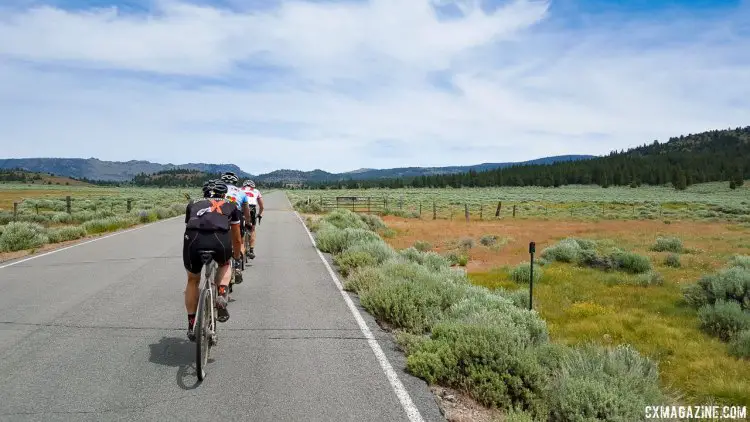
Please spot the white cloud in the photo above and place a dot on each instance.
(340, 80)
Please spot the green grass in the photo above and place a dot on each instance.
(93, 210)
(581, 305)
(697, 202)
(485, 342)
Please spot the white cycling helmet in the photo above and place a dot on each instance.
(230, 178)
(249, 183)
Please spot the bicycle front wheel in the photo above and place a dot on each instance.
(203, 333)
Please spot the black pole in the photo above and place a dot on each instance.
(532, 249)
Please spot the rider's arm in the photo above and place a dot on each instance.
(187, 213)
(236, 236)
(260, 205)
(236, 241)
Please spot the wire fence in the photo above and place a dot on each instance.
(481, 210)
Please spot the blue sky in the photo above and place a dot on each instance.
(346, 84)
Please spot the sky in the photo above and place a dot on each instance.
(346, 84)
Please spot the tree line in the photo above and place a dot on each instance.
(719, 155)
(18, 175)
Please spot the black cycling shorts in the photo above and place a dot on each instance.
(242, 224)
(220, 243)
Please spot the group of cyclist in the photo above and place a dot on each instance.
(220, 223)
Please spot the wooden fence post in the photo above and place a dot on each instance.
(368, 205)
(466, 211)
(514, 211)
(434, 211)
(420, 209)
(481, 211)
(130, 205)
(499, 206)
(37, 209)
(67, 203)
(15, 211)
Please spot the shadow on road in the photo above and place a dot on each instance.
(179, 353)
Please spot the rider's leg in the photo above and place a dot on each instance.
(252, 239)
(191, 292)
(223, 275)
(192, 266)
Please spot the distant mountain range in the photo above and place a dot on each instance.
(95, 169)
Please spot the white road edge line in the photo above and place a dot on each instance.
(86, 242)
(403, 396)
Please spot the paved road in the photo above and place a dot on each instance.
(97, 332)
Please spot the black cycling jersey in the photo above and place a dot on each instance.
(211, 215)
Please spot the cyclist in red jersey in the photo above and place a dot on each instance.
(255, 200)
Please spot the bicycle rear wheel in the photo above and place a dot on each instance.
(202, 330)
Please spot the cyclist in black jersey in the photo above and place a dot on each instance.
(212, 224)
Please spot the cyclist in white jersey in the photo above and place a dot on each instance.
(256, 212)
(238, 197)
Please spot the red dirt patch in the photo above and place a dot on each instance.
(715, 238)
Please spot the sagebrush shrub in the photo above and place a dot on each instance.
(565, 251)
(651, 278)
(723, 319)
(364, 278)
(108, 224)
(377, 249)
(162, 213)
(740, 345)
(695, 295)
(591, 259)
(452, 258)
(64, 234)
(631, 262)
(422, 246)
(5, 217)
(334, 240)
(603, 384)
(585, 244)
(668, 244)
(388, 233)
(61, 218)
(729, 284)
(33, 218)
(351, 260)
(466, 243)
(412, 304)
(672, 260)
(374, 222)
(740, 261)
(147, 216)
(491, 358)
(311, 208)
(488, 240)
(522, 273)
(22, 235)
(343, 219)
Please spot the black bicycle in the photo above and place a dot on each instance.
(205, 316)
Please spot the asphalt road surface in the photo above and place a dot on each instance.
(97, 332)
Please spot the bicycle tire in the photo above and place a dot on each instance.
(202, 333)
